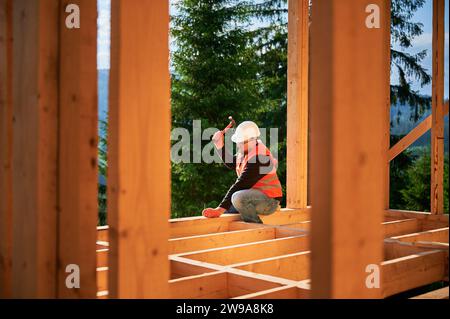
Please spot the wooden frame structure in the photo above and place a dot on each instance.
(48, 190)
(228, 258)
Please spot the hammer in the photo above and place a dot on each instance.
(232, 124)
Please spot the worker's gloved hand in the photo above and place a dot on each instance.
(213, 212)
(218, 139)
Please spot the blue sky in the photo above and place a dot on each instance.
(423, 15)
(103, 35)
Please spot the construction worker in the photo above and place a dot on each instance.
(257, 190)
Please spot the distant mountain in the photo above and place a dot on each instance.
(402, 124)
(103, 90)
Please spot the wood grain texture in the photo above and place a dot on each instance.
(6, 130)
(297, 108)
(349, 91)
(35, 111)
(139, 150)
(437, 112)
(78, 149)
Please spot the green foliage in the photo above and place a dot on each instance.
(102, 171)
(410, 180)
(230, 58)
(417, 179)
(408, 65)
(223, 67)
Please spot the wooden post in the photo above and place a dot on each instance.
(297, 108)
(78, 179)
(437, 126)
(35, 130)
(139, 150)
(5, 147)
(349, 90)
(386, 142)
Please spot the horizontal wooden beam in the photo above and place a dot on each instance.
(239, 285)
(413, 271)
(205, 286)
(102, 278)
(293, 266)
(251, 251)
(102, 233)
(285, 292)
(427, 220)
(180, 268)
(401, 227)
(218, 285)
(394, 249)
(102, 257)
(202, 242)
(190, 226)
(442, 293)
(435, 235)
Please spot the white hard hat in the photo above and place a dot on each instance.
(246, 131)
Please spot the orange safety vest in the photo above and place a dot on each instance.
(269, 184)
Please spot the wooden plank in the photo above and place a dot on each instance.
(139, 128)
(297, 104)
(386, 104)
(287, 216)
(202, 242)
(240, 225)
(179, 269)
(285, 292)
(102, 257)
(282, 231)
(293, 266)
(102, 279)
(102, 233)
(302, 225)
(239, 285)
(431, 244)
(435, 235)
(252, 251)
(401, 227)
(78, 207)
(191, 226)
(6, 138)
(413, 271)
(349, 93)
(205, 286)
(437, 97)
(413, 135)
(35, 136)
(422, 216)
(435, 294)
(394, 249)
(409, 138)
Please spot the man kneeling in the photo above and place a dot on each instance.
(257, 190)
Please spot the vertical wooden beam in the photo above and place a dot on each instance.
(139, 158)
(437, 115)
(35, 101)
(297, 108)
(349, 81)
(5, 147)
(78, 150)
(386, 142)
